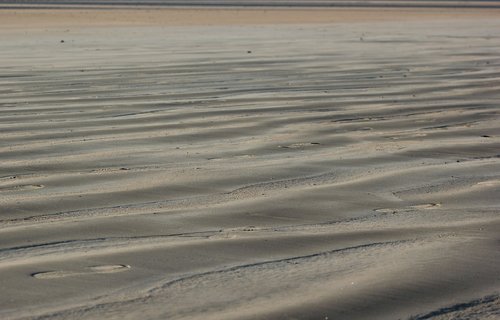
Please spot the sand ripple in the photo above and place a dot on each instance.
(346, 171)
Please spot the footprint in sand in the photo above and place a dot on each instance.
(22, 187)
(425, 206)
(386, 210)
(112, 268)
(299, 145)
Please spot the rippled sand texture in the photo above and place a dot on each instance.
(347, 171)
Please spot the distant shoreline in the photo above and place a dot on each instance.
(439, 4)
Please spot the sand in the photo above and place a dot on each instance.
(64, 17)
(343, 167)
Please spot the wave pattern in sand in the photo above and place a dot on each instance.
(251, 172)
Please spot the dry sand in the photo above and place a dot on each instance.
(125, 17)
(299, 171)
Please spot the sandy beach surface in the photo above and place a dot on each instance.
(249, 164)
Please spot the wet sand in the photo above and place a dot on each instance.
(343, 167)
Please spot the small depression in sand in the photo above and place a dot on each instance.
(425, 206)
(112, 268)
(24, 187)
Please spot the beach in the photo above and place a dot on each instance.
(229, 163)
